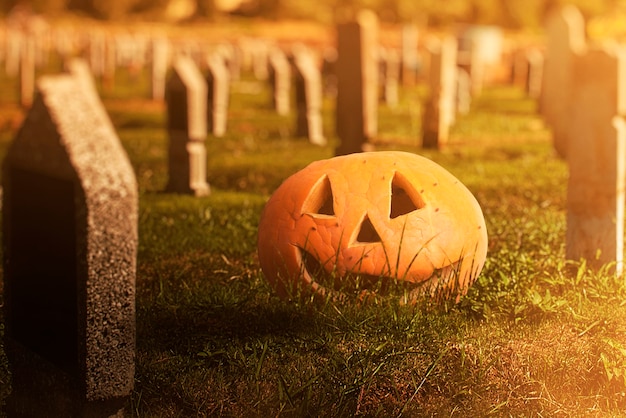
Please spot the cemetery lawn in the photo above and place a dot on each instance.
(535, 336)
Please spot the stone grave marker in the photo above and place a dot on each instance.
(410, 57)
(279, 73)
(308, 93)
(218, 95)
(160, 64)
(186, 98)
(439, 112)
(565, 31)
(534, 75)
(69, 256)
(329, 71)
(463, 92)
(27, 71)
(390, 75)
(13, 45)
(357, 83)
(596, 157)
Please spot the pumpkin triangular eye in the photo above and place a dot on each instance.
(367, 233)
(404, 198)
(320, 199)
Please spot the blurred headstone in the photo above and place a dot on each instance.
(410, 56)
(357, 82)
(308, 92)
(596, 156)
(463, 92)
(280, 81)
(69, 254)
(27, 71)
(565, 30)
(390, 75)
(439, 112)
(186, 97)
(534, 75)
(160, 65)
(218, 95)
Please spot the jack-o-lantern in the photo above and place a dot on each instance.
(374, 217)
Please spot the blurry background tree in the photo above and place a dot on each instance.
(507, 13)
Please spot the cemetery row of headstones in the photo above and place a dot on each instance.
(380, 70)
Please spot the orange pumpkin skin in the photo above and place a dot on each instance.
(386, 214)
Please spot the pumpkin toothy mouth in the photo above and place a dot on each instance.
(355, 282)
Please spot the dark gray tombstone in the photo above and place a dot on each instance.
(186, 95)
(308, 89)
(218, 95)
(357, 83)
(69, 257)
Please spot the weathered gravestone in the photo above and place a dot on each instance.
(565, 30)
(357, 82)
(439, 112)
(69, 255)
(186, 97)
(218, 95)
(279, 73)
(308, 92)
(596, 157)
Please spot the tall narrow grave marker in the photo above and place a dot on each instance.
(186, 96)
(69, 255)
(308, 81)
(596, 156)
(279, 72)
(440, 107)
(565, 29)
(357, 82)
(218, 95)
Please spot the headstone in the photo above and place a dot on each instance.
(463, 92)
(69, 255)
(534, 75)
(390, 75)
(160, 65)
(410, 56)
(218, 95)
(280, 81)
(186, 97)
(596, 156)
(565, 30)
(329, 72)
(439, 112)
(480, 53)
(13, 46)
(308, 92)
(357, 83)
(27, 71)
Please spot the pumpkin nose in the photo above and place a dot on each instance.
(367, 232)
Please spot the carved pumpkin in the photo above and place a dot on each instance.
(387, 217)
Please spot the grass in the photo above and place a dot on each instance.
(535, 336)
